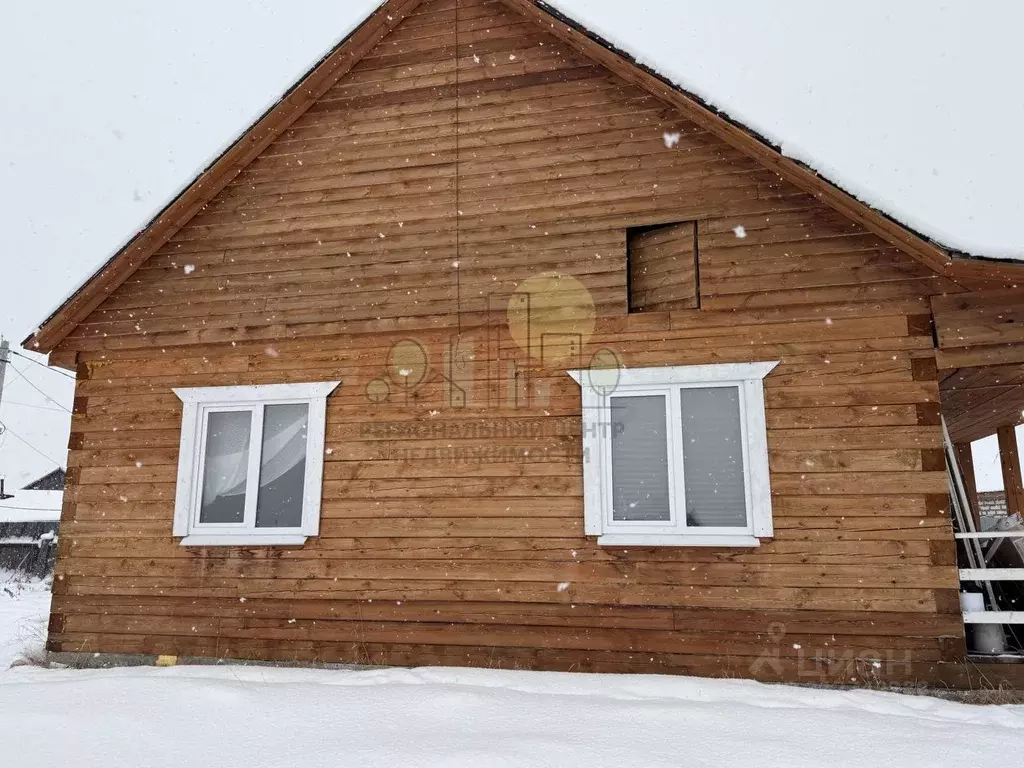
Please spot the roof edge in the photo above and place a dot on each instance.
(215, 176)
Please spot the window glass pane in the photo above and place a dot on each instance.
(713, 457)
(283, 466)
(639, 459)
(226, 467)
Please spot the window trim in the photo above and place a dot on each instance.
(197, 403)
(598, 389)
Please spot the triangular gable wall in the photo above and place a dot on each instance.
(555, 154)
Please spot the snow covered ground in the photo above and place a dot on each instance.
(256, 717)
(24, 611)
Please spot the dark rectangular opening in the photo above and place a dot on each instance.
(662, 267)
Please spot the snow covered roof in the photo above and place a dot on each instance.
(654, 41)
(31, 507)
(51, 481)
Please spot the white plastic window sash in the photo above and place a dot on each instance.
(676, 462)
(252, 479)
(705, 530)
(199, 466)
(677, 506)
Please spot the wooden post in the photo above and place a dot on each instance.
(1009, 458)
(965, 459)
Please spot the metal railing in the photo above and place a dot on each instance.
(986, 576)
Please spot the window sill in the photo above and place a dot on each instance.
(663, 540)
(284, 540)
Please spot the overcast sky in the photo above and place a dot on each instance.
(110, 107)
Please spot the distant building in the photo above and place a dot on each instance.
(29, 527)
(52, 481)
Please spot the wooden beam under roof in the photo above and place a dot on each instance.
(978, 401)
(1009, 460)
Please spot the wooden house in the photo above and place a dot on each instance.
(487, 346)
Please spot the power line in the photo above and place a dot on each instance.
(8, 430)
(37, 389)
(29, 509)
(65, 374)
(33, 405)
(33, 385)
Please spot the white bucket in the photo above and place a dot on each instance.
(982, 638)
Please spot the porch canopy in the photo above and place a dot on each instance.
(980, 338)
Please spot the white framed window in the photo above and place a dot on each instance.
(676, 456)
(250, 464)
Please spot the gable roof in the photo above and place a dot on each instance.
(969, 272)
(51, 481)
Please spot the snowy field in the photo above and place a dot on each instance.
(254, 717)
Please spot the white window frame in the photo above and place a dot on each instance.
(198, 403)
(599, 386)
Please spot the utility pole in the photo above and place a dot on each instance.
(4, 357)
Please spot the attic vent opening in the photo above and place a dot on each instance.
(663, 270)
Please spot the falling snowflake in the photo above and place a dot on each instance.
(189, 268)
(563, 586)
(740, 232)
(672, 139)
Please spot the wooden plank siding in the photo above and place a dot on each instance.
(454, 166)
(980, 328)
